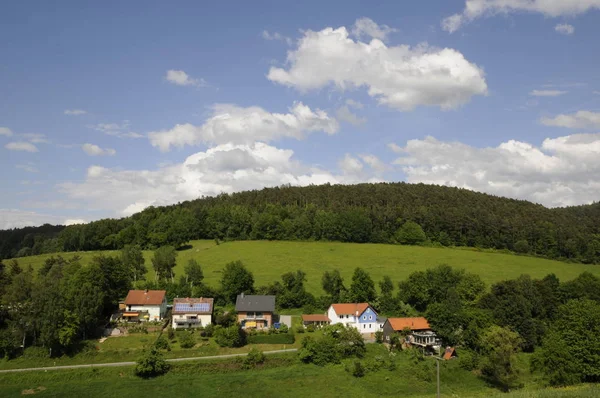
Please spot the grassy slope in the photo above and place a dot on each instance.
(292, 379)
(269, 260)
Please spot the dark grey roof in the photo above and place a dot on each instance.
(381, 319)
(255, 303)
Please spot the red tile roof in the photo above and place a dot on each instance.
(315, 318)
(145, 297)
(449, 353)
(418, 323)
(350, 308)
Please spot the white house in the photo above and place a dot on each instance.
(192, 312)
(359, 315)
(146, 305)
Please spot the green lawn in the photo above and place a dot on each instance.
(269, 260)
(281, 376)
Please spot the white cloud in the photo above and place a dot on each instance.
(565, 29)
(181, 78)
(350, 165)
(373, 162)
(550, 8)
(578, 120)
(75, 112)
(354, 104)
(35, 138)
(95, 150)
(116, 130)
(28, 167)
(16, 218)
(276, 36)
(344, 114)
(400, 77)
(563, 171)
(233, 124)
(5, 131)
(21, 146)
(224, 168)
(547, 93)
(74, 221)
(367, 28)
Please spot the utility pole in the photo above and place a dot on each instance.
(437, 361)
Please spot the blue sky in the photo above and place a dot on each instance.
(109, 107)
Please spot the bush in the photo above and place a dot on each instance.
(283, 328)
(300, 329)
(232, 336)
(254, 357)
(151, 364)
(281, 338)
(171, 333)
(208, 331)
(138, 329)
(468, 360)
(162, 344)
(187, 340)
(379, 337)
(358, 370)
(311, 328)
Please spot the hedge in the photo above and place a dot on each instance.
(281, 338)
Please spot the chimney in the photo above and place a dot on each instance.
(242, 294)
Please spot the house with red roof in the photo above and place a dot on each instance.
(145, 305)
(360, 315)
(417, 330)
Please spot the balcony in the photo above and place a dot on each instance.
(183, 321)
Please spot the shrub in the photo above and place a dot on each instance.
(300, 329)
(358, 370)
(311, 328)
(254, 357)
(162, 344)
(187, 340)
(171, 333)
(281, 338)
(379, 337)
(468, 360)
(151, 364)
(232, 336)
(283, 328)
(208, 330)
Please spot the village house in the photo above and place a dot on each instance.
(145, 305)
(255, 312)
(318, 320)
(417, 329)
(359, 315)
(192, 312)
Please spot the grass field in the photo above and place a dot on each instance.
(282, 376)
(269, 260)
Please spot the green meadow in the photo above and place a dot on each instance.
(268, 260)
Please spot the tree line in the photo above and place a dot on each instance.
(360, 213)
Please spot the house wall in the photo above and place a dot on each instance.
(367, 321)
(266, 316)
(345, 319)
(155, 312)
(204, 319)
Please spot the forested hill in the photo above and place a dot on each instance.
(349, 213)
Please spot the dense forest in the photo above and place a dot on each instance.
(348, 213)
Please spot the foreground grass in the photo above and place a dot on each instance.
(281, 376)
(129, 348)
(269, 260)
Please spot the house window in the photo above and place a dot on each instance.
(364, 326)
(370, 325)
(370, 317)
(259, 314)
(364, 318)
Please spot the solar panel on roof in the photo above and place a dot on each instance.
(195, 307)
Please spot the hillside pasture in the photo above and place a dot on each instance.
(268, 260)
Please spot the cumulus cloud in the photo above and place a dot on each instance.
(75, 112)
(21, 146)
(565, 29)
(550, 8)
(5, 131)
(578, 120)
(95, 150)
(15, 218)
(116, 130)
(374, 163)
(344, 114)
(224, 168)
(74, 221)
(350, 165)
(180, 78)
(547, 93)
(564, 171)
(232, 124)
(400, 77)
(276, 36)
(367, 28)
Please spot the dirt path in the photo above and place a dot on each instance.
(117, 364)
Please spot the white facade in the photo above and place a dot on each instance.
(184, 321)
(155, 312)
(345, 319)
(365, 322)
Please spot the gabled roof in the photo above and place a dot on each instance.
(449, 353)
(315, 318)
(192, 305)
(350, 308)
(145, 297)
(246, 303)
(418, 323)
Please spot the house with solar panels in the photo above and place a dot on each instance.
(145, 305)
(255, 312)
(192, 312)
